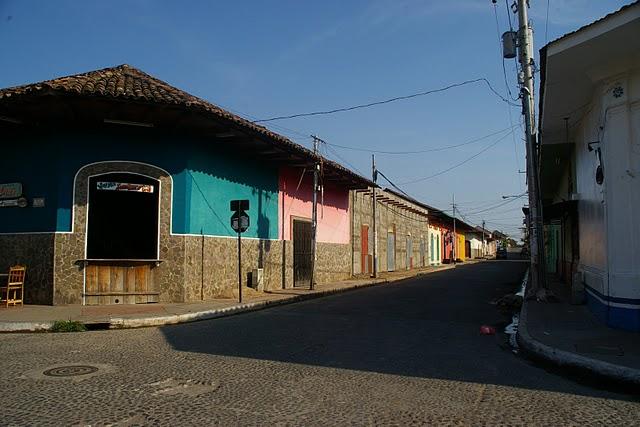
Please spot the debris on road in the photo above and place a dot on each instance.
(487, 330)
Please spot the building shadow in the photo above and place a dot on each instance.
(426, 327)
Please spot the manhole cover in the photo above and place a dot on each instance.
(78, 371)
(70, 371)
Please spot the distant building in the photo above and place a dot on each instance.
(402, 229)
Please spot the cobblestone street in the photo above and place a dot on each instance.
(407, 353)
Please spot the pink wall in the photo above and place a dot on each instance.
(296, 202)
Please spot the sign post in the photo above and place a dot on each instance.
(240, 224)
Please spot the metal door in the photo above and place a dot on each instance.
(301, 253)
(423, 258)
(391, 251)
(409, 257)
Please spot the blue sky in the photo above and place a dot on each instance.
(263, 59)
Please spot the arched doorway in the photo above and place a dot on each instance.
(122, 238)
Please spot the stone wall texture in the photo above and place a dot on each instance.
(191, 268)
(390, 218)
(35, 251)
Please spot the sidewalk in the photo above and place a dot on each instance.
(38, 318)
(570, 336)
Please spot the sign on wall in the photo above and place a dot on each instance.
(11, 190)
(123, 186)
(20, 203)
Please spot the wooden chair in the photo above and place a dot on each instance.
(15, 285)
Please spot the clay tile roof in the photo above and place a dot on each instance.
(125, 82)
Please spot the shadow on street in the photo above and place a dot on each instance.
(424, 327)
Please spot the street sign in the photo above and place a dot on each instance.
(240, 222)
(240, 218)
(11, 191)
(239, 205)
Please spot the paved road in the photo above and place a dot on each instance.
(401, 354)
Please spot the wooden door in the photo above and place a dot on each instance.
(364, 249)
(302, 253)
(119, 283)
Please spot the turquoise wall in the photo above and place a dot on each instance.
(205, 178)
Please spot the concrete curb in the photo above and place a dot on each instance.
(25, 326)
(121, 323)
(127, 323)
(571, 360)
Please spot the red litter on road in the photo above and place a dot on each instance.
(487, 330)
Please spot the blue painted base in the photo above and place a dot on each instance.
(615, 317)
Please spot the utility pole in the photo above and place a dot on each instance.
(455, 236)
(314, 214)
(374, 173)
(525, 49)
(484, 250)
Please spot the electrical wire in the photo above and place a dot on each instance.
(394, 185)
(506, 3)
(429, 150)
(402, 215)
(546, 25)
(457, 164)
(497, 206)
(387, 101)
(335, 153)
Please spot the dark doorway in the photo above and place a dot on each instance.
(301, 253)
(122, 217)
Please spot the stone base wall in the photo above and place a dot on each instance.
(35, 251)
(211, 269)
(192, 268)
(333, 263)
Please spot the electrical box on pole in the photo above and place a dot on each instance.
(509, 50)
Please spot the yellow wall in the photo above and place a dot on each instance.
(460, 247)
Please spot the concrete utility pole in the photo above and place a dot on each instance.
(455, 236)
(484, 250)
(314, 214)
(525, 50)
(374, 173)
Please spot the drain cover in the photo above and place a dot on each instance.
(70, 371)
(78, 371)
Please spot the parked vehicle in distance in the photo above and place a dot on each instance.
(501, 253)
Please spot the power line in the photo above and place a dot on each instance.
(506, 3)
(546, 25)
(387, 101)
(458, 164)
(429, 150)
(497, 206)
(335, 153)
(395, 186)
(402, 215)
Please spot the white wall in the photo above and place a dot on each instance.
(609, 214)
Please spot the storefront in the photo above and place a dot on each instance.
(125, 184)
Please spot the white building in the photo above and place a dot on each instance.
(590, 162)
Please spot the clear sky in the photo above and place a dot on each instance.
(270, 58)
